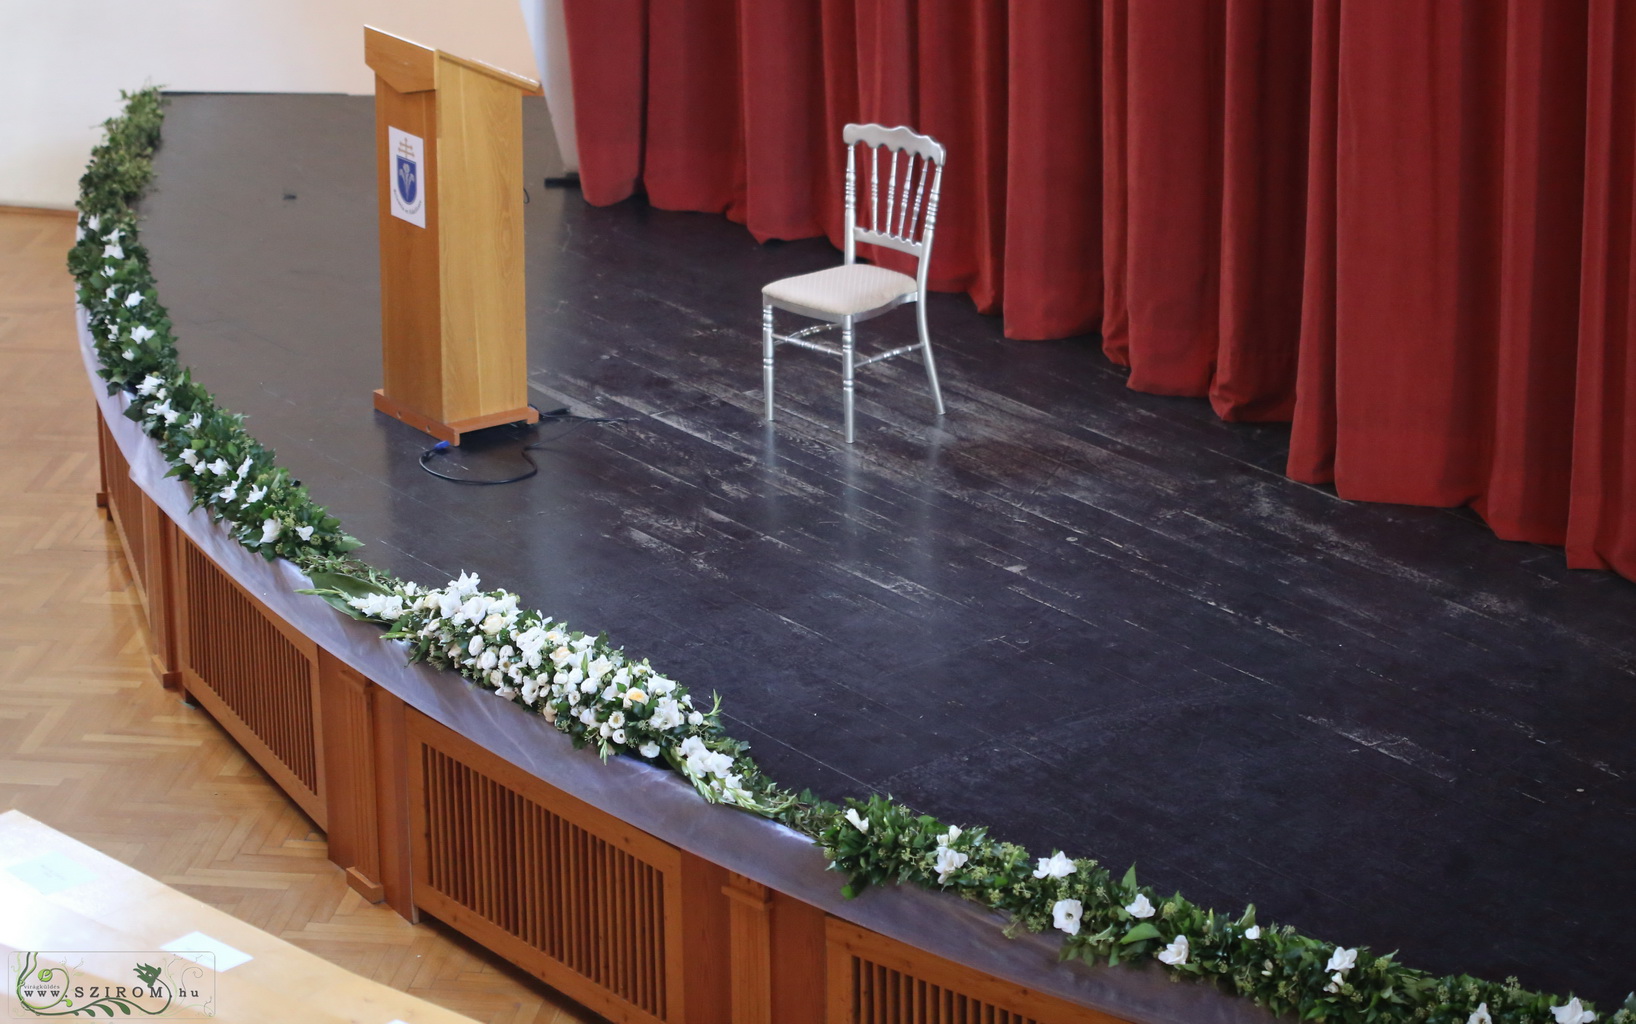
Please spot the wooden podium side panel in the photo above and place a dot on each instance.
(480, 187)
(411, 291)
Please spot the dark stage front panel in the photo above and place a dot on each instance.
(1093, 619)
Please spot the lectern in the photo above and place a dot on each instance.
(449, 139)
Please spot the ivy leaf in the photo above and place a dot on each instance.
(1145, 930)
(1130, 878)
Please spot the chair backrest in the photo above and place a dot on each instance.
(901, 210)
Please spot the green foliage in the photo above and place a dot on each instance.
(873, 842)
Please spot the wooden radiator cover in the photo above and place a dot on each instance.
(570, 893)
(125, 501)
(257, 676)
(877, 980)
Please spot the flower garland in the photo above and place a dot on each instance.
(591, 691)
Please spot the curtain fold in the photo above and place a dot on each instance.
(1404, 227)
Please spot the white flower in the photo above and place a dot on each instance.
(1253, 932)
(1572, 1013)
(191, 457)
(862, 824)
(228, 493)
(116, 234)
(487, 660)
(587, 716)
(950, 836)
(254, 495)
(1480, 1015)
(194, 421)
(93, 222)
(1174, 954)
(616, 719)
(1342, 960)
(619, 736)
(475, 647)
(129, 353)
(493, 624)
(270, 530)
(244, 467)
(164, 411)
(635, 697)
(948, 862)
(694, 718)
(1140, 907)
(141, 333)
(133, 300)
(1055, 866)
(667, 714)
(304, 532)
(1335, 982)
(112, 251)
(649, 749)
(149, 384)
(219, 467)
(1065, 915)
(111, 293)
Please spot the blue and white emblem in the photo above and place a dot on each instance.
(408, 180)
(407, 167)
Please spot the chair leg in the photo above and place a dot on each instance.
(847, 355)
(767, 356)
(926, 354)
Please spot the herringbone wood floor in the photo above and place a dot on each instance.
(91, 745)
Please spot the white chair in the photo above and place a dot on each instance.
(843, 296)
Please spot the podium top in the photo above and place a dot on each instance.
(408, 66)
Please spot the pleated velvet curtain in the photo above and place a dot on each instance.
(1405, 226)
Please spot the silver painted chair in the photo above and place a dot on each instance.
(907, 177)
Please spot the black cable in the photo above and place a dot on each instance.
(555, 415)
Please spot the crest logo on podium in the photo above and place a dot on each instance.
(408, 184)
(408, 180)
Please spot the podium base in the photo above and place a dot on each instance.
(452, 430)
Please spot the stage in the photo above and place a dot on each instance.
(1094, 620)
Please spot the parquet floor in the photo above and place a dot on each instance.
(91, 745)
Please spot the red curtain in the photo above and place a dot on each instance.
(1406, 226)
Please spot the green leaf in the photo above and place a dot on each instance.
(1130, 878)
(1145, 930)
(337, 587)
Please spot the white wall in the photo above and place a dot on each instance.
(63, 62)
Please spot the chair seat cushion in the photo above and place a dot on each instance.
(842, 291)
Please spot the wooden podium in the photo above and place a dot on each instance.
(449, 142)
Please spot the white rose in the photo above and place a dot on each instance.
(1572, 1013)
(1140, 907)
(1175, 954)
(948, 862)
(1342, 960)
(1065, 915)
(1058, 865)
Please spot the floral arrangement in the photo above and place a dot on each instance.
(590, 690)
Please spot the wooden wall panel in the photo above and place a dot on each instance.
(254, 674)
(877, 980)
(592, 906)
(148, 538)
(351, 786)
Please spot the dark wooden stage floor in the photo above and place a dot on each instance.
(1093, 619)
